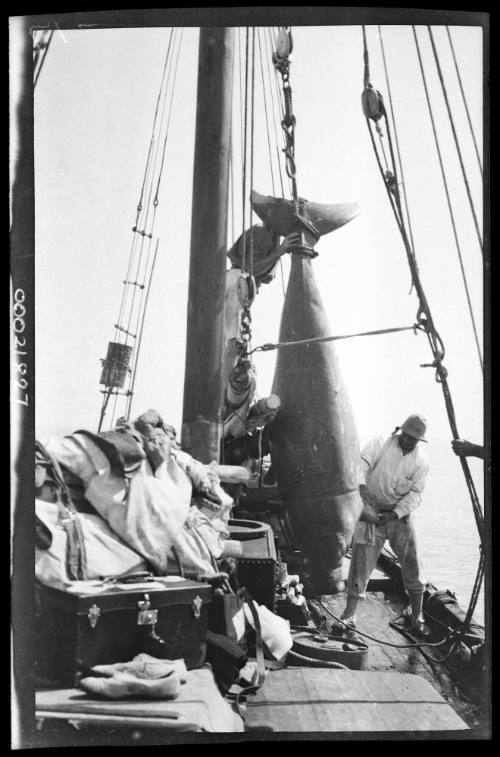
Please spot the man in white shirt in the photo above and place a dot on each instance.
(393, 478)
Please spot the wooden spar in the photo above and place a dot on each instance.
(203, 390)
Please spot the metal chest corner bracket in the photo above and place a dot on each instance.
(197, 603)
(93, 615)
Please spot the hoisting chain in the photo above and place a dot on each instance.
(374, 110)
(281, 62)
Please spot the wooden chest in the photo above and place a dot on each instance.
(76, 630)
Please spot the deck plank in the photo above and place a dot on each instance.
(373, 617)
(328, 700)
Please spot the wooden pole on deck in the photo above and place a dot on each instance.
(203, 390)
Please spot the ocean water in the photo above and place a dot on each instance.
(447, 532)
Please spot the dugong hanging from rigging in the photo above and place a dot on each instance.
(314, 442)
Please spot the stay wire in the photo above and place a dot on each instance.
(400, 162)
(266, 113)
(252, 148)
(319, 339)
(157, 147)
(143, 277)
(140, 335)
(457, 145)
(464, 100)
(448, 199)
(424, 317)
(171, 102)
(43, 55)
(139, 204)
(138, 222)
(145, 212)
(244, 176)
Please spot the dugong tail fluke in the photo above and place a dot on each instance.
(314, 442)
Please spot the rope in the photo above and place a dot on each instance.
(143, 216)
(243, 252)
(468, 617)
(464, 100)
(381, 641)
(313, 662)
(174, 77)
(140, 333)
(279, 345)
(41, 53)
(450, 208)
(452, 124)
(146, 177)
(266, 114)
(400, 163)
(252, 123)
(139, 269)
(424, 318)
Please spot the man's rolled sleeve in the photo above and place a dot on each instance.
(413, 499)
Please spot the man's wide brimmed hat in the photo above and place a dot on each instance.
(416, 426)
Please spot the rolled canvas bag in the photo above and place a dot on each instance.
(106, 553)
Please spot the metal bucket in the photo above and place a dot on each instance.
(349, 652)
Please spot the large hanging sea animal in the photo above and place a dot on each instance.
(314, 442)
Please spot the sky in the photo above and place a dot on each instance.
(94, 106)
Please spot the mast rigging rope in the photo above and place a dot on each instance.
(252, 149)
(315, 340)
(450, 208)
(452, 124)
(400, 163)
(40, 53)
(266, 113)
(424, 317)
(464, 100)
(132, 308)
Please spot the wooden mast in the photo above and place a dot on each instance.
(203, 390)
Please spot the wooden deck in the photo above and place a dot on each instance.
(373, 618)
(305, 700)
